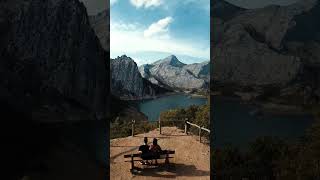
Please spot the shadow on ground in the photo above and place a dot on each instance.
(170, 171)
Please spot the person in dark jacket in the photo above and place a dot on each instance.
(145, 152)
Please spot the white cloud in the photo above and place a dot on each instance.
(159, 28)
(125, 40)
(121, 26)
(113, 2)
(146, 3)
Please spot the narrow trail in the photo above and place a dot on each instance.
(191, 159)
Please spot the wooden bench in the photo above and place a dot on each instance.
(163, 155)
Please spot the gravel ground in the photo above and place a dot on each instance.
(191, 160)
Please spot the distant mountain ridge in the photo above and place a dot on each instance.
(147, 57)
(171, 60)
(171, 73)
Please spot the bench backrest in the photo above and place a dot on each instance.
(138, 154)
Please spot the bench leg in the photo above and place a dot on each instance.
(132, 163)
(167, 159)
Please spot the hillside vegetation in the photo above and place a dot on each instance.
(199, 115)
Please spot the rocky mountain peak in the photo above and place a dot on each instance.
(172, 73)
(124, 57)
(171, 60)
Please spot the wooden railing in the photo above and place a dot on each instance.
(186, 124)
(197, 126)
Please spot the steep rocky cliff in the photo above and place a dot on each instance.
(52, 64)
(127, 82)
(248, 50)
(172, 73)
(53, 75)
(266, 47)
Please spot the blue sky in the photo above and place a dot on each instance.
(148, 30)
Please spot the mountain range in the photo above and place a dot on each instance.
(173, 74)
(151, 80)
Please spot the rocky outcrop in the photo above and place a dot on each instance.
(249, 48)
(172, 73)
(199, 70)
(52, 65)
(127, 82)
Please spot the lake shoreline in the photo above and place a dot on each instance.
(191, 95)
(152, 108)
(131, 99)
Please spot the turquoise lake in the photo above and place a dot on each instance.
(152, 108)
(232, 121)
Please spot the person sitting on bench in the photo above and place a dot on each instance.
(155, 150)
(145, 152)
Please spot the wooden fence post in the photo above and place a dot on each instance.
(159, 125)
(132, 126)
(185, 126)
(199, 134)
(132, 162)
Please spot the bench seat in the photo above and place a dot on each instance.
(163, 155)
(138, 154)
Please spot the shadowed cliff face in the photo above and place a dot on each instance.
(53, 73)
(53, 65)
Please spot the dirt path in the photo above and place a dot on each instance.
(191, 160)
